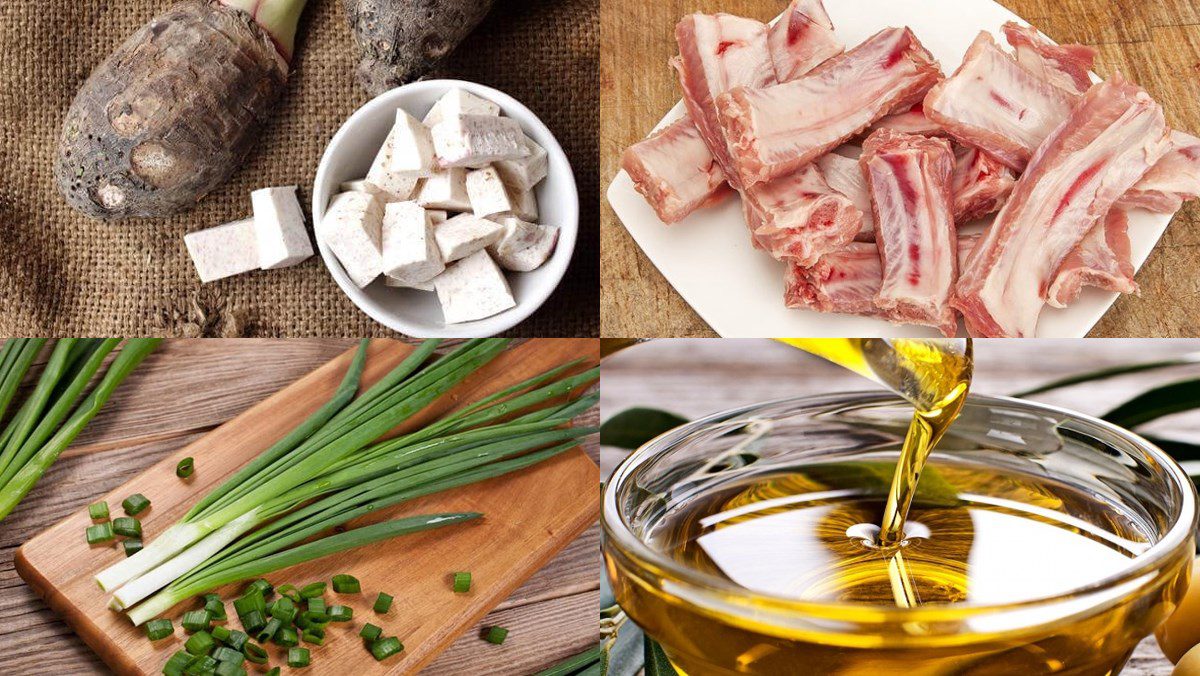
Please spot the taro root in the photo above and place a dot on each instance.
(401, 40)
(175, 110)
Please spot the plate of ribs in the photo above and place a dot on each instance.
(914, 168)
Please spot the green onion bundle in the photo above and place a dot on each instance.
(334, 467)
(53, 414)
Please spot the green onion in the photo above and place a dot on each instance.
(185, 467)
(386, 647)
(462, 583)
(98, 511)
(237, 640)
(308, 619)
(370, 632)
(251, 600)
(298, 657)
(222, 634)
(195, 620)
(315, 636)
(311, 591)
(273, 672)
(53, 414)
(202, 665)
(336, 466)
(200, 643)
(575, 664)
(101, 532)
(131, 547)
(316, 606)
(341, 613)
(127, 526)
(383, 603)
(253, 621)
(346, 584)
(262, 586)
(287, 637)
(226, 654)
(135, 504)
(496, 635)
(255, 653)
(215, 608)
(178, 662)
(159, 629)
(229, 669)
(284, 608)
(290, 591)
(268, 632)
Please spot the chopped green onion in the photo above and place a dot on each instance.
(98, 511)
(316, 606)
(370, 632)
(101, 532)
(346, 584)
(215, 608)
(185, 468)
(496, 635)
(255, 653)
(201, 666)
(284, 608)
(309, 619)
(298, 657)
(127, 526)
(158, 629)
(222, 634)
(462, 583)
(135, 504)
(273, 672)
(195, 620)
(310, 591)
(262, 586)
(226, 654)
(229, 669)
(290, 591)
(200, 643)
(178, 662)
(315, 636)
(287, 637)
(383, 603)
(131, 547)
(253, 621)
(251, 600)
(341, 613)
(386, 647)
(237, 640)
(268, 632)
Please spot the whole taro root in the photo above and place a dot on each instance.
(401, 40)
(175, 110)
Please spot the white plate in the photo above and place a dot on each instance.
(418, 313)
(738, 290)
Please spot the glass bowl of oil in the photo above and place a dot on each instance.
(1039, 541)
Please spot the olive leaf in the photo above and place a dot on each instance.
(1109, 372)
(1156, 403)
(657, 663)
(631, 428)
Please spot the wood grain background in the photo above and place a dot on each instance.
(698, 377)
(1154, 42)
(184, 390)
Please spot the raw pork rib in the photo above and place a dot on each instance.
(996, 104)
(773, 131)
(909, 180)
(716, 53)
(911, 121)
(802, 39)
(980, 184)
(845, 176)
(674, 171)
(1067, 67)
(1113, 137)
(844, 282)
(1101, 260)
(799, 218)
(1174, 179)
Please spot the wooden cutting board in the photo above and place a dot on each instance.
(529, 516)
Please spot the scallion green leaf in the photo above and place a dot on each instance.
(462, 583)
(229, 669)
(298, 657)
(341, 613)
(315, 635)
(215, 608)
(284, 608)
(496, 635)
(135, 504)
(185, 468)
(287, 637)
(346, 584)
(268, 632)
(262, 586)
(383, 603)
(255, 653)
(98, 511)
(178, 662)
(386, 647)
(131, 547)
(202, 665)
(195, 620)
(237, 640)
(313, 590)
(370, 632)
(127, 526)
(316, 606)
(222, 634)
(159, 629)
(200, 643)
(99, 533)
(253, 621)
(227, 654)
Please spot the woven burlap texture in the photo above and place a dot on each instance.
(62, 274)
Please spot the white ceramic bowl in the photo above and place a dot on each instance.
(418, 313)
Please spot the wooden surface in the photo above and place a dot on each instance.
(698, 377)
(1154, 42)
(187, 388)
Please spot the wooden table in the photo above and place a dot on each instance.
(697, 377)
(187, 388)
(1154, 42)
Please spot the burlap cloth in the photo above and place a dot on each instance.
(62, 274)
